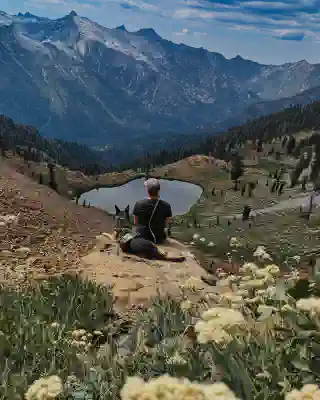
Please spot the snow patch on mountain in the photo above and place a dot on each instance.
(5, 19)
(73, 35)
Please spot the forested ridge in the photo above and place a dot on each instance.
(222, 145)
(27, 142)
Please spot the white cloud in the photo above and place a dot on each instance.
(262, 16)
(46, 3)
(185, 13)
(186, 31)
(65, 5)
(198, 34)
(142, 5)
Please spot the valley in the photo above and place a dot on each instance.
(280, 215)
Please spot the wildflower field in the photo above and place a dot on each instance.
(64, 339)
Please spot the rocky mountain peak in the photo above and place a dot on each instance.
(98, 85)
(122, 28)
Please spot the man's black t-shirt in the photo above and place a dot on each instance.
(143, 211)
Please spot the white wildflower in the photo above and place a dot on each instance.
(232, 297)
(243, 293)
(168, 388)
(186, 305)
(78, 333)
(217, 323)
(234, 242)
(227, 317)
(269, 279)
(254, 284)
(259, 250)
(308, 392)
(203, 239)
(271, 291)
(262, 254)
(261, 273)
(193, 284)
(217, 335)
(78, 343)
(45, 389)
(195, 236)
(311, 305)
(250, 267)
(246, 278)
(272, 269)
(261, 292)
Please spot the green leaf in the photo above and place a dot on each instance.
(265, 312)
(280, 291)
(302, 365)
(315, 348)
(306, 334)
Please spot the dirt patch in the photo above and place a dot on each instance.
(56, 231)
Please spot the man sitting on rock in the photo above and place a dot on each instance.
(151, 217)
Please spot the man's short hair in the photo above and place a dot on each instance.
(153, 186)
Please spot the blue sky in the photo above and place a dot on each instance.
(271, 32)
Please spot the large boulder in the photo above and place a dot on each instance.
(137, 280)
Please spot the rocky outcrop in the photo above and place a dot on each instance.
(137, 280)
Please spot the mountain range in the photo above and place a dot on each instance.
(76, 80)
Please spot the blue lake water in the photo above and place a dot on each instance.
(180, 195)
